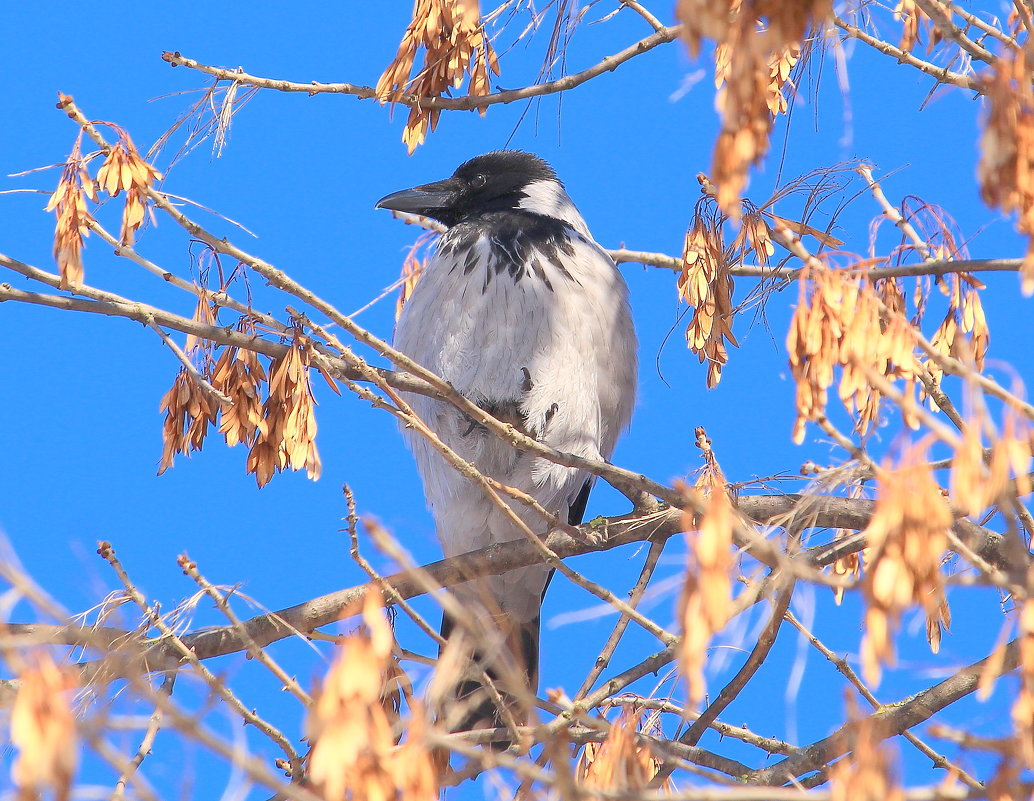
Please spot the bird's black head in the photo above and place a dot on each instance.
(491, 182)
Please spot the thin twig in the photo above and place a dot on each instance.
(635, 595)
(188, 365)
(768, 744)
(171, 639)
(154, 723)
(643, 12)
(758, 654)
(289, 683)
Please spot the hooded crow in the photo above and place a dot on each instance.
(526, 316)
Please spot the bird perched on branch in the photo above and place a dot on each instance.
(527, 317)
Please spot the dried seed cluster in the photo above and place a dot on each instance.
(705, 604)
(73, 216)
(43, 729)
(779, 69)
(1023, 709)
(913, 20)
(850, 564)
(963, 334)
(413, 267)
(287, 430)
(1006, 168)
(705, 279)
(978, 481)
(868, 772)
(846, 322)
(907, 536)
(706, 284)
(619, 764)
(189, 410)
(1007, 782)
(281, 432)
(455, 45)
(758, 43)
(354, 754)
(239, 375)
(123, 170)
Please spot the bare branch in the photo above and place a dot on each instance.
(940, 74)
(466, 103)
(892, 720)
(941, 16)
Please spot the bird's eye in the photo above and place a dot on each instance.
(478, 181)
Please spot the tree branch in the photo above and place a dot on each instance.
(657, 526)
(932, 267)
(889, 721)
(465, 103)
(940, 74)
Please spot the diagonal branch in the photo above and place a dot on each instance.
(657, 526)
(756, 658)
(940, 74)
(941, 17)
(758, 654)
(890, 720)
(347, 366)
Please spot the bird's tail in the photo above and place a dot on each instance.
(505, 648)
(508, 657)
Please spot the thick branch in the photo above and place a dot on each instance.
(496, 559)
(889, 721)
(942, 19)
(806, 511)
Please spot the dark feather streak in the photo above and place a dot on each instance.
(521, 243)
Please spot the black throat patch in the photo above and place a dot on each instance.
(519, 243)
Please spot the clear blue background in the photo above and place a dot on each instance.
(80, 431)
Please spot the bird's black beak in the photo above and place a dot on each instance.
(426, 199)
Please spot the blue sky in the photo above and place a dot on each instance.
(80, 427)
